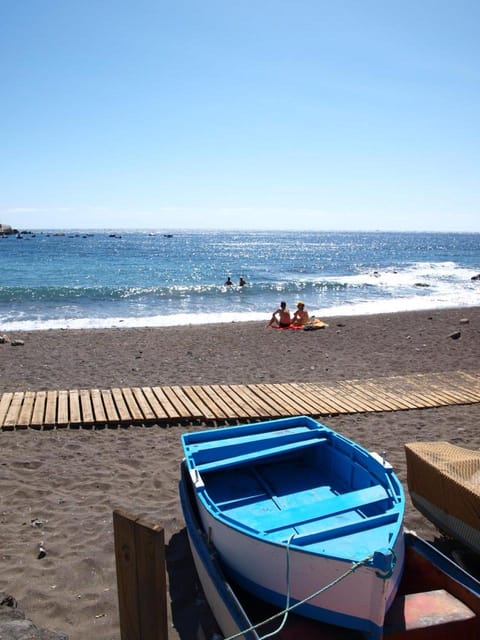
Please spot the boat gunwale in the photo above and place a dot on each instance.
(379, 472)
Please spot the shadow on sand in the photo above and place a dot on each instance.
(190, 611)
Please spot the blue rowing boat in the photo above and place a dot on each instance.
(301, 517)
(436, 599)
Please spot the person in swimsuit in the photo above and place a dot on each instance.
(300, 317)
(281, 317)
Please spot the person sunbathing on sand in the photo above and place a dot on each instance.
(300, 317)
(284, 320)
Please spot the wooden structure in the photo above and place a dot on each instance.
(141, 579)
(233, 404)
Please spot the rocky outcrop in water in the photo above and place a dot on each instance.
(6, 230)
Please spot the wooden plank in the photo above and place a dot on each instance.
(97, 406)
(50, 418)
(245, 398)
(472, 377)
(194, 413)
(304, 403)
(62, 409)
(297, 399)
(75, 415)
(215, 410)
(327, 394)
(339, 397)
(453, 385)
(143, 403)
(159, 411)
(241, 409)
(267, 401)
(359, 398)
(141, 578)
(277, 399)
(38, 409)
(391, 399)
(455, 378)
(203, 408)
(125, 560)
(446, 396)
(121, 406)
(232, 402)
(167, 406)
(263, 410)
(406, 386)
(4, 406)
(428, 386)
(377, 399)
(151, 580)
(25, 416)
(174, 399)
(135, 411)
(14, 409)
(429, 395)
(376, 388)
(110, 408)
(471, 392)
(470, 380)
(219, 398)
(323, 406)
(86, 407)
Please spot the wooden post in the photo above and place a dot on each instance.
(141, 578)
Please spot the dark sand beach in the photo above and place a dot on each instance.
(59, 487)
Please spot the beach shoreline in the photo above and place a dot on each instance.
(60, 487)
(240, 353)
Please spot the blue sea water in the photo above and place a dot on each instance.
(81, 279)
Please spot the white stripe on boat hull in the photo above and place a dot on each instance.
(447, 523)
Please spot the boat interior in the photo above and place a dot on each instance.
(309, 483)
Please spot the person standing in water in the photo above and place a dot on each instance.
(281, 317)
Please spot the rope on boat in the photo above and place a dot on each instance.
(289, 608)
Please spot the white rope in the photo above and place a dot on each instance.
(289, 608)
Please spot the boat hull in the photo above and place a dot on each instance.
(444, 485)
(428, 575)
(359, 601)
(302, 517)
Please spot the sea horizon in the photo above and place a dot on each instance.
(113, 278)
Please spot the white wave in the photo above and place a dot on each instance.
(180, 319)
(394, 306)
(413, 303)
(431, 274)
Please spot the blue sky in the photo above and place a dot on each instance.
(271, 114)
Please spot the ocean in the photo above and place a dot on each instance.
(116, 278)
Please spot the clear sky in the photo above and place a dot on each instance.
(271, 114)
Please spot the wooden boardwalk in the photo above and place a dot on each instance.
(233, 404)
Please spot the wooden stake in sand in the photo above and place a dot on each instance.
(141, 578)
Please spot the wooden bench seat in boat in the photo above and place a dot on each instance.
(304, 513)
(255, 456)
